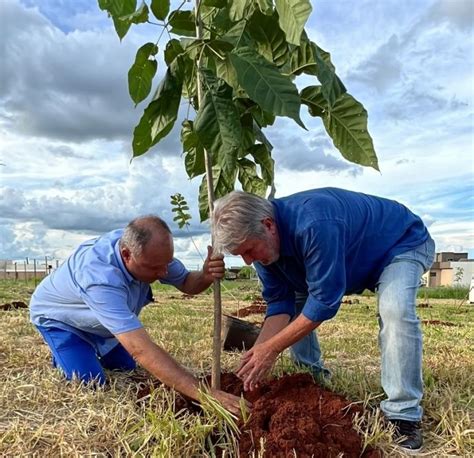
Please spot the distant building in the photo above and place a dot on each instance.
(450, 269)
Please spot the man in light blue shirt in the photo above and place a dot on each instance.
(87, 310)
(312, 248)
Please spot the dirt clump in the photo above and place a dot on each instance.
(13, 305)
(440, 323)
(291, 415)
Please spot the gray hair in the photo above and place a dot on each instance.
(140, 231)
(237, 217)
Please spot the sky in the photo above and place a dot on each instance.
(66, 123)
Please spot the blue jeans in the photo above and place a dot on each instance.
(400, 338)
(77, 358)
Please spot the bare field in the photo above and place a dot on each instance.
(41, 415)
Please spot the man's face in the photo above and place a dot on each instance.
(266, 250)
(152, 263)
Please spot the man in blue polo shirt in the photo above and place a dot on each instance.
(312, 248)
(87, 310)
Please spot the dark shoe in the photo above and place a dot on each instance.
(409, 433)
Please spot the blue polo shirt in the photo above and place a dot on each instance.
(94, 296)
(334, 242)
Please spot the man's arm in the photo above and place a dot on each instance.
(160, 364)
(196, 282)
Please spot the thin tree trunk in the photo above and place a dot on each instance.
(216, 341)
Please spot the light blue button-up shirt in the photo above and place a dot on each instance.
(94, 296)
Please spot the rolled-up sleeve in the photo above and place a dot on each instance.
(323, 248)
(279, 297)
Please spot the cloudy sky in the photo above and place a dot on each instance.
(66, 122)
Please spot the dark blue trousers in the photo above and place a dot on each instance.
(77, 358)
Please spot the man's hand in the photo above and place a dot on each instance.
(230, 402)
(214, 267)
(255, 365)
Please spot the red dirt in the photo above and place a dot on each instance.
(258, 305)
(251, 309)
(439, 323)
(294, 414)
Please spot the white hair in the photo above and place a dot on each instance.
(237, 217)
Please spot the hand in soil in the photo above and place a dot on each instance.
(255, 365)
(230, 402)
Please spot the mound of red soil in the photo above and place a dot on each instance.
(251, 309)
(294, 415)
(13, 305)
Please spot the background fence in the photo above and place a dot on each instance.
(27, 269)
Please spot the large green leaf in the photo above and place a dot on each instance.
(160, 115)
(237, 35)
(118, 9)
(263, 158)
(331, 86)
(160, 8)
(141, 73)
(183, 23)
(346, 124)
(263, 82)
(194, 151)
(269, 38)
(293, 15)
(249, 179)
(217, 123)
(240, 9)
(223, 184)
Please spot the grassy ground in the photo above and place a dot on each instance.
(42, 415)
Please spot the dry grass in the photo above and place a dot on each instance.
(41, 415)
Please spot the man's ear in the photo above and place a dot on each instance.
(126, 254)
(269, 223)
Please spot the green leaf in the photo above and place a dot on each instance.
(240, 9)
(263, 82)
(160, 8)
(194, 151)
(303, 57)
(270, 39)
(293, 15)
(118, 9)
(141, 73)
(139, 16)
(223, 184)
(265, 6)
(249, 179)
(346, 124)
(263, 158)
(217, 123)
(332, 86)
(160, 115)
(172, 50)
(261, 137)
(183, 23)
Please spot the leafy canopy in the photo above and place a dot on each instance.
(247, 59)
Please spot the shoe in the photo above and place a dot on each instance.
(409, 433)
